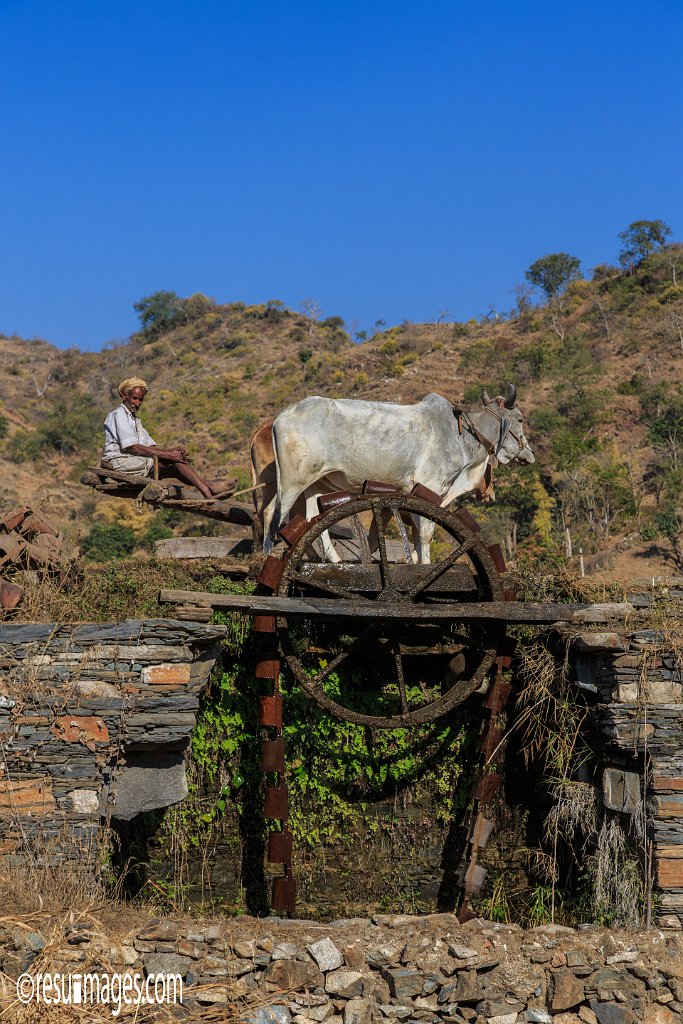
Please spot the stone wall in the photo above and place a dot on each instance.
(636, 679)
(385, 969)
(94, 723)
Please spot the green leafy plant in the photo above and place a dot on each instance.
(106, 542)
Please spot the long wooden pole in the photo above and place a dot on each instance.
(503, 611)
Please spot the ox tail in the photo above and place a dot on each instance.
(257, 518)
(252, 470)
(271, 522)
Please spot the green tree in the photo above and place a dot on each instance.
(159, 312)
(4, 426)
(641, 238)
(552, 273)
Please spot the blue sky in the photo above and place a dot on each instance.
(389, 159)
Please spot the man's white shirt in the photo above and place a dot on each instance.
(121, 430)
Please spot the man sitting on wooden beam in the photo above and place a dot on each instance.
(130, 449)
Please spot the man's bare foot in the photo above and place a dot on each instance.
(222, 488)
(225, 493)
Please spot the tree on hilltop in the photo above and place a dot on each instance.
(552, 273)
(159, 311)
(641, 238)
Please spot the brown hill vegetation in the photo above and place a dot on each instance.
(598, 370)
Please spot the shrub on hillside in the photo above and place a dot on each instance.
(106, 542)
(22, 447)
(154, 532)
(198, 305)
(71, 427)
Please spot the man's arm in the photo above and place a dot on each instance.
(175, 454)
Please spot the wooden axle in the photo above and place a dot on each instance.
(501, 611)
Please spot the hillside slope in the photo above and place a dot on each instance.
(598, 372)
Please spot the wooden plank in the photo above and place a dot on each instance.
(11, 520)
(115, 474)
(11, 545)
(226, 511)
(367, 578)
(202, 547)
(348, 549)
(116, 490)
(10, 595)
(481, 832)
(238, 513)
(474, 879)
(193, 613)
(503, 611)
(34, 524)
(485, 789)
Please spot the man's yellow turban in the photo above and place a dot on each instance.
(132, 382)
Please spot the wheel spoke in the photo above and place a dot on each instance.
(404, 535)
(381, 578)
(320, 676)
(440, 568)
(329, 588)
(362, 538)
(401, 679)
(383, 559)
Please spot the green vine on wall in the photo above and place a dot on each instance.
(336, 770)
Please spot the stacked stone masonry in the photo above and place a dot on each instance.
(637, 681)
(386, 969)
(94, 723)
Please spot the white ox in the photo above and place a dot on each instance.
(347, 442)
(264, 479)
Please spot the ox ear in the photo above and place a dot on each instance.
(511, 396)
(485, 400)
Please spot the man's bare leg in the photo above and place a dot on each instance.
(185, 472)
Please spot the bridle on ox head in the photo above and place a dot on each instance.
(502, 402)
(506, 428)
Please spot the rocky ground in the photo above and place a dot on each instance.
(393, 969)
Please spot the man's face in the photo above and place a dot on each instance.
(134, 399)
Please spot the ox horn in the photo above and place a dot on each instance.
(511, 396)
(485, 397)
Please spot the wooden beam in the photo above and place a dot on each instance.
(502, 611)
(204, 547)
(130, 485)
(364, 578)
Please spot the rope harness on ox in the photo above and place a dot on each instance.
(490, 448)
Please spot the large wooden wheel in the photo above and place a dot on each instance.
(392, 672)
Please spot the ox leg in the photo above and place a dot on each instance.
(268, 513)
(425, 532)
(415, 538)
(329, 553)
(275, 516)
(403, 535)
